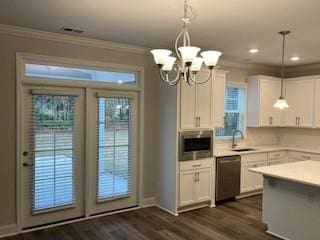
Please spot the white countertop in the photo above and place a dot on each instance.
(261, 149)
(306, 172)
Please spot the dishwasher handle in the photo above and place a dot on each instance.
(236, 160)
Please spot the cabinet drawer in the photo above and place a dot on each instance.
(276, 155)
(301, 156)
(196, 164)
(256, 157)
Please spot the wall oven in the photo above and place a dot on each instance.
(195, 145)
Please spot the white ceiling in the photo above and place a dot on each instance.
(231, 26)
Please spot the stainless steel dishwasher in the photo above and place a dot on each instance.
(227, 177)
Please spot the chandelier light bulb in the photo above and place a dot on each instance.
(211, 57)
(169, 63)
(189, 53)
(196, 64)
(160, 55)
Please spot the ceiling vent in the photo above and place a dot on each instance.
(74, 30)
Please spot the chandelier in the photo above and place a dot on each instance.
(188, 64)
(281, 103)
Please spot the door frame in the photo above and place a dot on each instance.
(21, 80)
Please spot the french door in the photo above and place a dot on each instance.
(53, 163)
(113, 151)
(80, 153)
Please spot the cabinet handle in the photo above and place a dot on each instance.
(306, 157)
(197, 122)
(196, 177)
(298, 121)
(196, 165)
(270, 120)
(255, 165)
(277, 155)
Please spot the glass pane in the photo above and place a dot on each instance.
(52, 157)
(57, 72)
(114, 139)
(233, 117)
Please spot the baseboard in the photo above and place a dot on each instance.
(249, 194)
(277, 235)
(149, 202)
(166, 210)
(8, 230)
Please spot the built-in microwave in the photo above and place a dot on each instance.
(195, 145)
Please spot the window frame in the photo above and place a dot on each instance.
(243, 86)
(27, 58)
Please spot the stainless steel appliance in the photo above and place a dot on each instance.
(227, 177)
(195, 145)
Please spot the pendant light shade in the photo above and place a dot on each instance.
(281, 103)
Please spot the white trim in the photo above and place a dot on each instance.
(8, 230)
(149, 202)
(195, 207)
(74, 40)
(277, 235)
(90, 42)
(166, 210)
(22, 79)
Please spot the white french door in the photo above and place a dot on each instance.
(53, 162)
(113, 150)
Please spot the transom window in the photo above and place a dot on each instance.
(85, 74)
(234, 105)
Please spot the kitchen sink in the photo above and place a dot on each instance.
(244, 150)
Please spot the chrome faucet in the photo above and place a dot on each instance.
(234, 144)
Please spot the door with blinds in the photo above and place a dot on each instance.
(53, 155)
(113, 151)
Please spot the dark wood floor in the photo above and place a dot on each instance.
(231, 221)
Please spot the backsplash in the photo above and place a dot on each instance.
(300, 138)
(254, 137)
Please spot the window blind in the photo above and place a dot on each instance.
(233, 107)
(52, 156)
(114, 148)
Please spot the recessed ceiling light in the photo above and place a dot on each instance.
(295, 58)
(253, 50)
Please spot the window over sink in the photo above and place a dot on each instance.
(234, 111)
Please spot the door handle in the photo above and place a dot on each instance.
(25, 164)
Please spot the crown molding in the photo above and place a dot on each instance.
(90, 42)
(58, 37)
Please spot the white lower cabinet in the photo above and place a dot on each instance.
(251, 181)
(195, 184)
(294, 156)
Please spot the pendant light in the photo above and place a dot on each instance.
(281, 103)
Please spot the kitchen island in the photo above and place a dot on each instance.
(291, 200)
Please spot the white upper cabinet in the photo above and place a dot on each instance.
(202, 104)
(317, 102)
(219, 86)
(263, 92)
(300, 97)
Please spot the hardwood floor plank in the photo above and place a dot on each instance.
(237, 220)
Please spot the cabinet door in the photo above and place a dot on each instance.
(203, 185)
(204, 101)
(293, 95)
(187, 188)
(248, 179)
(218, 94)
(258, 177)
(317, 104)
(306, 100)
(269, 93)
(188, 106)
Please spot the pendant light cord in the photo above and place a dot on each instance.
(282, 64)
